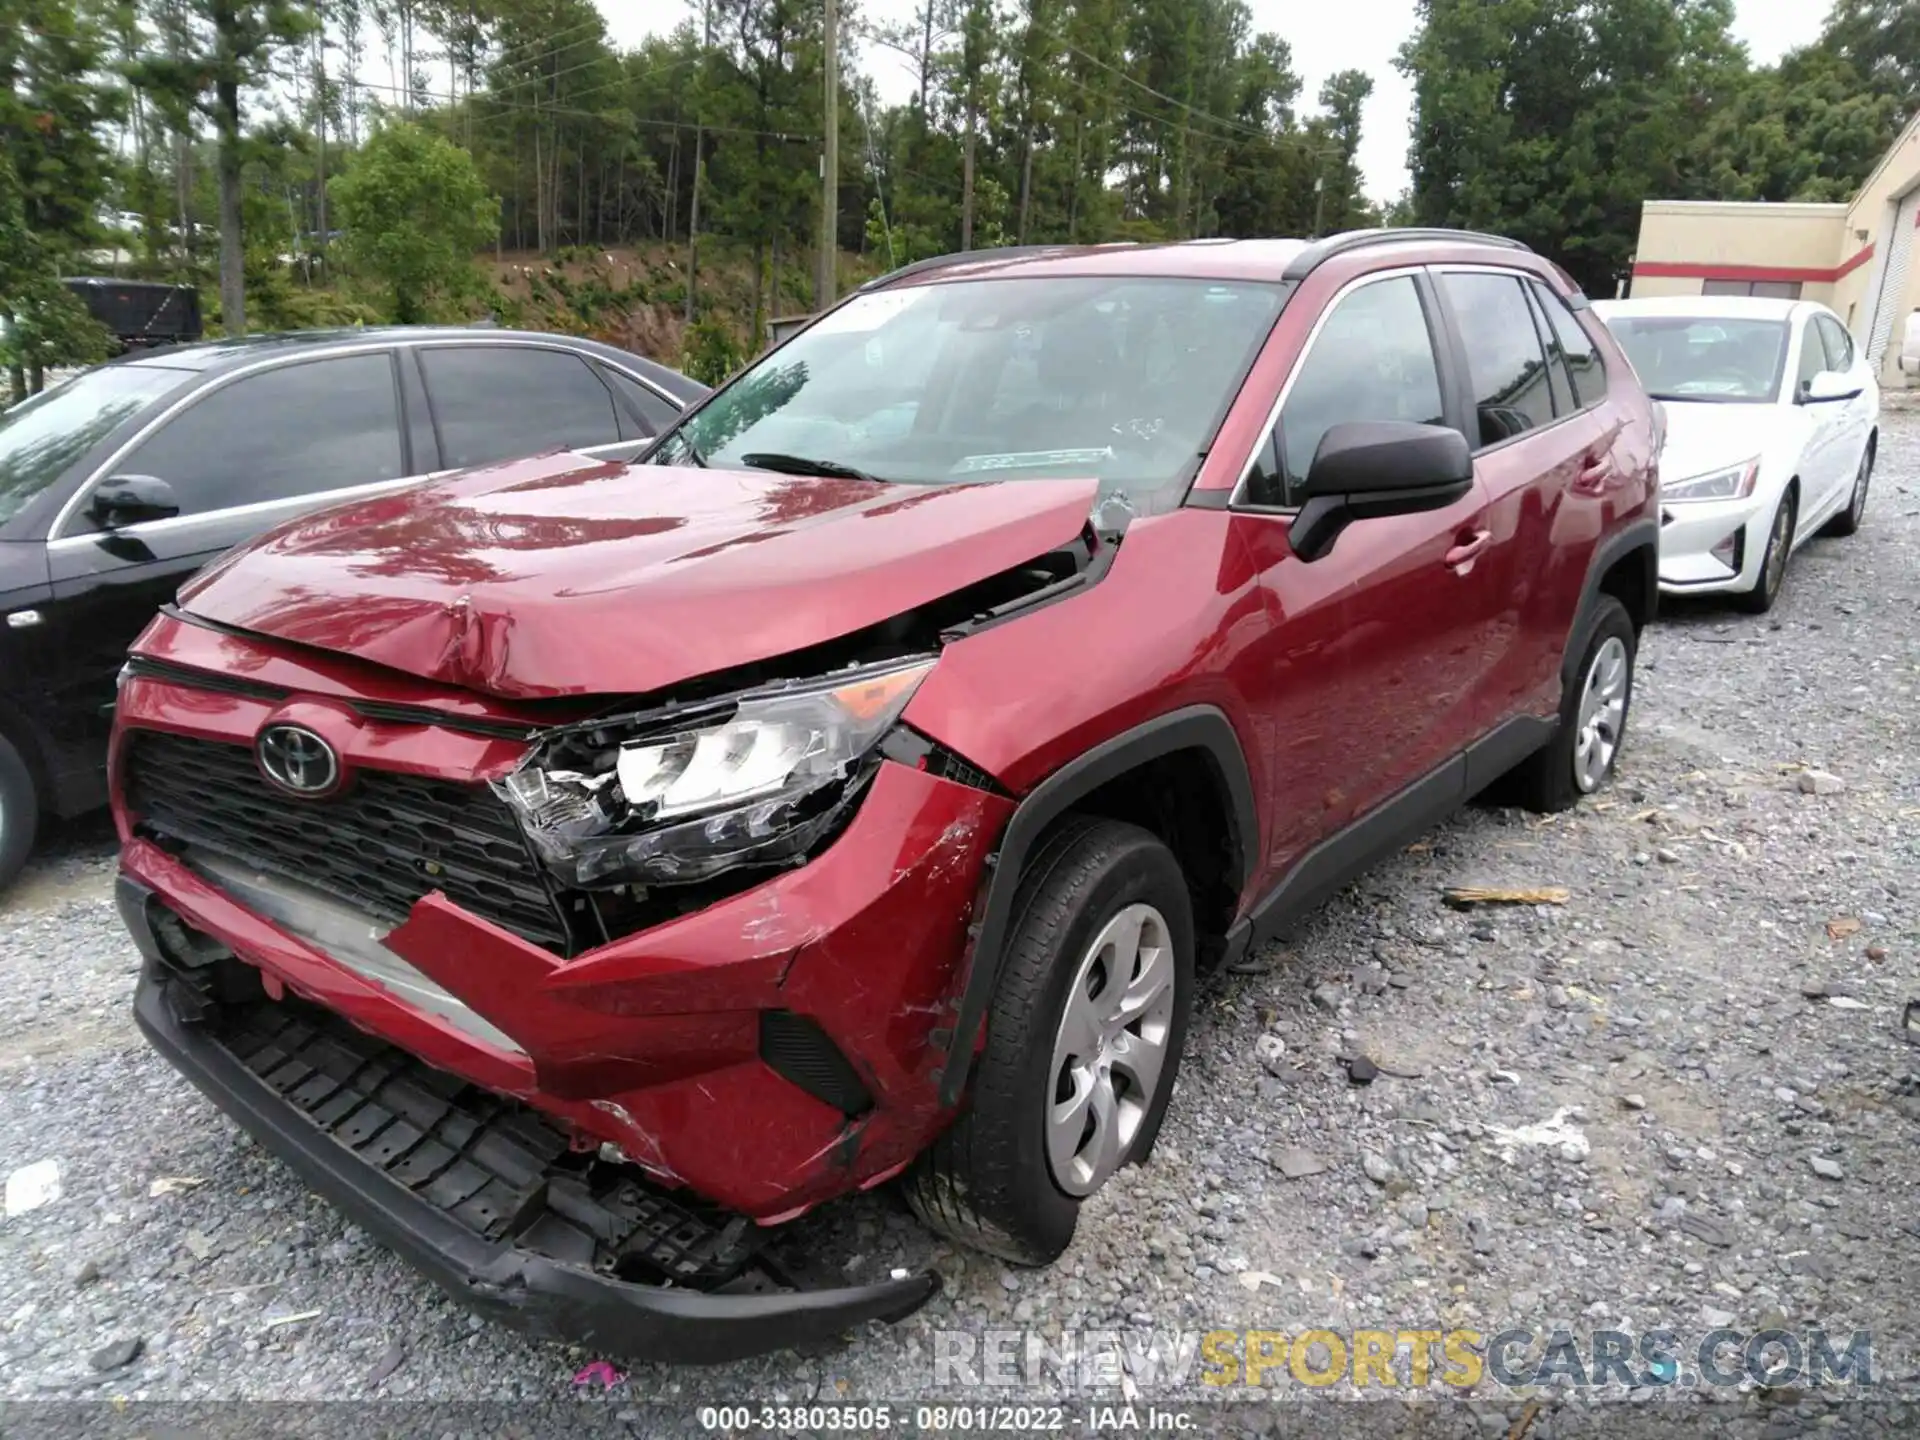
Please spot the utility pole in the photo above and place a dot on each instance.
(1319, 204)
(826, 281)
(699, 152)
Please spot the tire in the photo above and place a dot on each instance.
(1847, 522)
(1773, 564)
(989, 1181)
(1551, 779)
(19, 812)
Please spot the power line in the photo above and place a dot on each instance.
(1190, 109)
(508, 107)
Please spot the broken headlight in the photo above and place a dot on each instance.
(758, 780)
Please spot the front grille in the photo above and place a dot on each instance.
(382, 844)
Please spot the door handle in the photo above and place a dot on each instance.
(1468, 550)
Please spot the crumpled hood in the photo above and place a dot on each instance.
(561, 575)
(1711, 437)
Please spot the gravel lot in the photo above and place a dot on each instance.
(1714, 1013)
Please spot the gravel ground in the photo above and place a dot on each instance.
(1713, 1015)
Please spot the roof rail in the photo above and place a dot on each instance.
(963, 257)
(1320, 251)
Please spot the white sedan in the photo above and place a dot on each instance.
(1772, 420)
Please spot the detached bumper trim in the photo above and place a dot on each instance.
(498, 1278)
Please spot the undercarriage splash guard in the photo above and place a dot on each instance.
(484, 1194)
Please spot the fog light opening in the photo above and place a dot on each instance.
(1727, 552)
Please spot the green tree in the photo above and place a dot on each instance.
(1553, 120)
(415, 210)
(42, 323)
(1807, 129)
(214, 51)
(56, 102)
(55, 169)
(1881, 40)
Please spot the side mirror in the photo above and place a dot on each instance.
(1368, 469)
(121, 500)
(1829, 385)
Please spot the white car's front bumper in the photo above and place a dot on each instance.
(1707, 546)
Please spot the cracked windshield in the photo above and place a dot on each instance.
(1122, 379)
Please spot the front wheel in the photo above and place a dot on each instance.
(1773, 565)
(19, 811)
(1592, 725)
(1082, 1046)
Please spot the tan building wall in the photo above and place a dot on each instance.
(1875, 212)
(1836, 254)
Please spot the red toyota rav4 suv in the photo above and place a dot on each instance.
(576, 869)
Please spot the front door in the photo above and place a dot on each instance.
(240, 458)
(1368, 671)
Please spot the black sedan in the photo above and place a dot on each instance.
(119, 484)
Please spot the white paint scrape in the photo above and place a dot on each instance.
(32, 1186)
(1558, 1131)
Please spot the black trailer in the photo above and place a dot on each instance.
(140, 312)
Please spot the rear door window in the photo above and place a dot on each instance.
(1557, 373)
(1512, 391)
(500, 402)
(300, 429)
(1372, 360)
(1584, 366)
(656, 412)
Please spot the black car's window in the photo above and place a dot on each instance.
(655, 411)
(40, 438)
(1813, 357)
(499, 402)
(1838, 342)
(296, 430)
(1557, 376)
(1508, 370)
(1372, 360)
(1584, 365)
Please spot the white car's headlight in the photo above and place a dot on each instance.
(758, 778)
(1735, 482)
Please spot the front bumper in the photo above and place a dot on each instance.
(505, 1222)
(1690, 531)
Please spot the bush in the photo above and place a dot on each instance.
(415, 211)
(709, 352)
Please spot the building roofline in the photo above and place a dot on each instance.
(1909, 131)
(1771, 207)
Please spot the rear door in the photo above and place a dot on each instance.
(1859, 413)
(241, 457)
(1538, 435)
(498, 401)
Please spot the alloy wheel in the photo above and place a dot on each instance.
(1857, 506)
(1777, 546)
(1111, 1049)
(1603, 715)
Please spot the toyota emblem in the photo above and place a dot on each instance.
(297, 760)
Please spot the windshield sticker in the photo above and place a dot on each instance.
(1032, 460)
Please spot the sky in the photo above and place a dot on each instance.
(1326, 35)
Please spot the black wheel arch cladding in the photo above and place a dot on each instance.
(1198, 727)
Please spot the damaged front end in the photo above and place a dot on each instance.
(487, 1196)
(678, 797)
